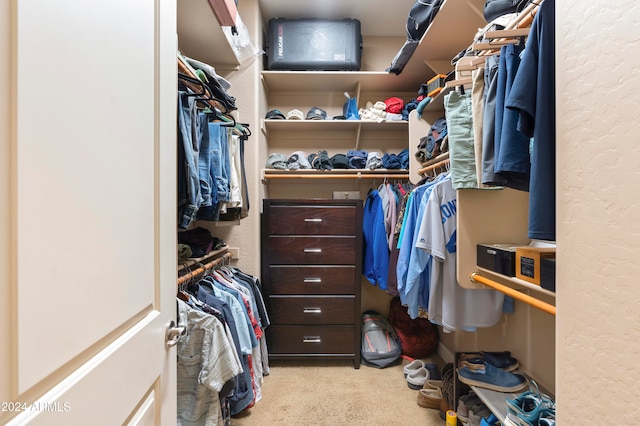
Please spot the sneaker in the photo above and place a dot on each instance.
(465, 402)
(547, 417)
(487, 376)
(526, 409)
(492, 420)
(477, 413)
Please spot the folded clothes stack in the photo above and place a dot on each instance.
(353, 159)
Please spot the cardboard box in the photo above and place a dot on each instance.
(500, 258)
(528, 260)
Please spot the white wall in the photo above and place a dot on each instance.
(598, 171)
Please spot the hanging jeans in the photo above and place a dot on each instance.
(219, 171)
(188, 180)
(512, 162)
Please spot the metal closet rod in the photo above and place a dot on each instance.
(207, 266)
(536, 303)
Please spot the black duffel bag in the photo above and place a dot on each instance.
(495, 8)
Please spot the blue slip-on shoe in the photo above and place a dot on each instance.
(489, 377)
(502, 360)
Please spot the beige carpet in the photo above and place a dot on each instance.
(333, 393)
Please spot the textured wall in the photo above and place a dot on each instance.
(598, 324)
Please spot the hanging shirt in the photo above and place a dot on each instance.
(375, 264)
(450, 305)
(533, 95)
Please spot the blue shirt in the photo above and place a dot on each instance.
(375, 264)
(533, 95)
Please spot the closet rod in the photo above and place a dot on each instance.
(543, 306)
(437, 165)
(183, 68)
(205, 267)
(335, 176)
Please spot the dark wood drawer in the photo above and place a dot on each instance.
(312, 250)
(312, 279)
(312, 309)
(311, 339)
(312, 220)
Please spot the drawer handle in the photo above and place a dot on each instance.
(313, 280)
(313, 220)
(312, 310)
(311, 339)
(313, 250)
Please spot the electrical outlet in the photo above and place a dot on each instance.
(235, 252)
(346, 195)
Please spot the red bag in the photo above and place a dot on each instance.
(418, 337)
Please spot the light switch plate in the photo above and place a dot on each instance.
(346, 195)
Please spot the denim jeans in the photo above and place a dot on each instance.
(219, 166)
(204, 161)
(188, 179)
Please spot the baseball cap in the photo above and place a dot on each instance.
(316, 113)
(295, 114)
(275, 114)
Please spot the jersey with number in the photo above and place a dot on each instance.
(450, 305)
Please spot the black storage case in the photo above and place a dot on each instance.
(500, 258)
(314, 45)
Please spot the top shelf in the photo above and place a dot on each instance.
(451, 31)
(201, 37)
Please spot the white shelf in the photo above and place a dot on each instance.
(452, 30)
(346, 81)
(319, 125)
(334, 174)
(201, 37)
(497, 401)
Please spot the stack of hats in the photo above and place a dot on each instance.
(314, 113)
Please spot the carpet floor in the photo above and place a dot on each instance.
(333, 393)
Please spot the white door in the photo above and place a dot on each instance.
(87, 211)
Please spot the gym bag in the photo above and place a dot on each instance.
(380, 346)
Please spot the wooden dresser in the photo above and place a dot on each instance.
(311, 272)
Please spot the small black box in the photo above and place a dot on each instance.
(548, 273)
(500, 258)
(314, 44)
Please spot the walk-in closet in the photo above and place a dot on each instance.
(335, 212)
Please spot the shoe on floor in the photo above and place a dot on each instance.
(434, 371)
(412, 367)
(417, 378)
(429, 398)
(489, 377)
